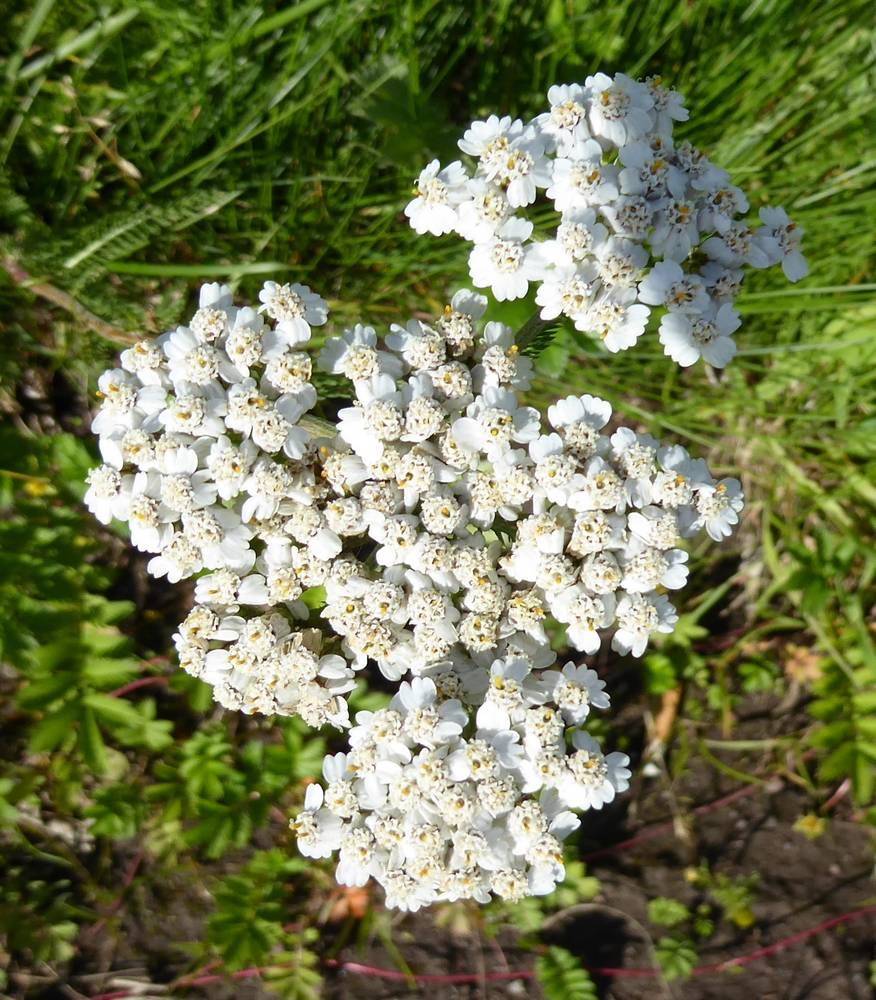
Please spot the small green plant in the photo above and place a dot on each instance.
(666, 912)
(692, 925)
(250, 925)
(39, 918)
(222, 791)
(844, 706)
(735, 896)
(70, 680)
(676, 953)
(676, 956)
(561, 977)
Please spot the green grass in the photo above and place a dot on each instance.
(169, 135)
(145, 144)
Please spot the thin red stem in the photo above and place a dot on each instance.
(839, 794)
(649, 833)
(792, 939)
(127, 879)
(495, 977)
(141, 682)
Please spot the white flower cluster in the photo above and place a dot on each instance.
(433, 814)
(207, 462)
(480, 529)
(442, 528)
(437, 531)
(644, 222)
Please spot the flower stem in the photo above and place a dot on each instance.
(530, 330)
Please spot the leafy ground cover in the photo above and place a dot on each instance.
(147, 145)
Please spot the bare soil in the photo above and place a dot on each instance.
(801, 883)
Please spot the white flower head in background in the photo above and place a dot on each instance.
(633, 215)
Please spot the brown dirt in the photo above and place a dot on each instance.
(801, 883)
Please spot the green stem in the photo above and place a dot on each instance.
(732, 772)
(530, 330)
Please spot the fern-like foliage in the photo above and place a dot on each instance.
(87, 254)
(249, 926)
(15, 213)
(537, 336)
(82, 261)
(57, 631)
(330, 386)
(561, 977)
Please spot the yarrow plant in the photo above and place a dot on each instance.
(642, 223)
(437, 526)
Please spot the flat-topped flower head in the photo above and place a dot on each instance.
(621, 217)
